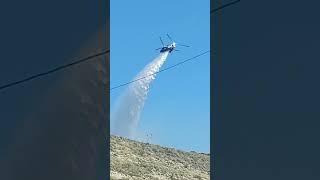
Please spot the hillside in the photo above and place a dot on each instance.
(132, 160)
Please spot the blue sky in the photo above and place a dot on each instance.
(177, 110)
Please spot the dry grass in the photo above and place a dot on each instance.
(131, 160)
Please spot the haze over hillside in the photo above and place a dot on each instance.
(139, 161)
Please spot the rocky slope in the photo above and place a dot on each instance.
(132, 160)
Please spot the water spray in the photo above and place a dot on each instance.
(125, 118)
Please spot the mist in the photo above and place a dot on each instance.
(128, 107)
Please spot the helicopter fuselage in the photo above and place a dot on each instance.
(169, 48)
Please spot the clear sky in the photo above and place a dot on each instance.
(177, 110)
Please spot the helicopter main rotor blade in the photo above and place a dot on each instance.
(169, 37)
(161, 42)
(184, 45)
(158, 48)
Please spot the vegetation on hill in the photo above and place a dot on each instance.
(132, 160)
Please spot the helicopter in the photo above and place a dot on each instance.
(170, 47)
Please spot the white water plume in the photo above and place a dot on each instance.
(125, 117)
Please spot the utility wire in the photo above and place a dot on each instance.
(212, 11)
(224, 6)
(96, 55)
(165, 69)
(54, 70)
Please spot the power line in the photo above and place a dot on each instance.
(93, 56)
(53, 70)
(165, 69)
(212, 11)
(224, 6)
